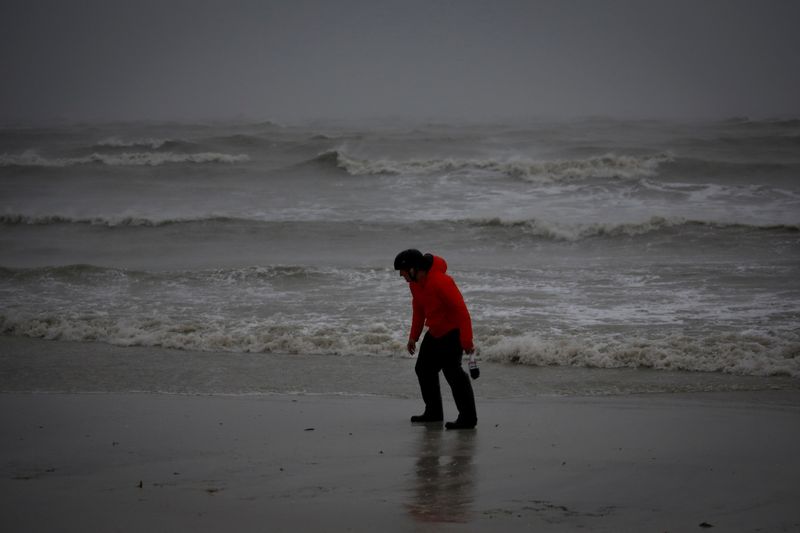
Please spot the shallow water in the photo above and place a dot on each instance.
(599, 244)
(30, 365)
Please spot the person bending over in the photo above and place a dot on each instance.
(437, 303)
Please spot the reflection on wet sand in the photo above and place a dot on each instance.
(444, 476)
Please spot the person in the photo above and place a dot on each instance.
(438, 304)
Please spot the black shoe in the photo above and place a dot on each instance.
(460, 424)
(425, 419)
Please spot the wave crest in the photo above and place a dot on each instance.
(538, 228)
(208, 334)
(31, 158)
(751, 353)
(606, 166)
(47, 220)
(747, 353)
(116, 142)
(578, 232)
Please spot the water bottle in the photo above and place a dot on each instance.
(474, 371)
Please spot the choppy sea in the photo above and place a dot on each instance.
(591, 245)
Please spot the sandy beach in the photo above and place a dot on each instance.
(204, 327)
(157, 462)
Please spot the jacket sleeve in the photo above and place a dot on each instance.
(455, 301)
(417, 319)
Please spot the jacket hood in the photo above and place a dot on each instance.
(439, 265)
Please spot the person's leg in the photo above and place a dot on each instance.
(427, 369)
(459, 383)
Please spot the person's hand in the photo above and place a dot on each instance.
(412, 346)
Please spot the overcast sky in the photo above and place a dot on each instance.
(299, 59)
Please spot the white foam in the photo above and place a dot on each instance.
(607, 166)
(116, 142)
(576, 232)
(755, 353)
(745, 353)
(31, 158)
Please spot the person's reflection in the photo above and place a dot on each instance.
(444, 476)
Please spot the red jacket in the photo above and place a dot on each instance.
(438, 304)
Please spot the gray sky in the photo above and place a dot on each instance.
(296, 59)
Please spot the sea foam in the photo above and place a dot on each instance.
(754, 353)
(31, 158)
(607, 166)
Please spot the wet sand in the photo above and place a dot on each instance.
(150, 462)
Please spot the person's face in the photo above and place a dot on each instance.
(406, 275)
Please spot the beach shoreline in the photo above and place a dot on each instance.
(278, 462)
(39, 365)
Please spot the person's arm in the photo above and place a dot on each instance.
(417, 323)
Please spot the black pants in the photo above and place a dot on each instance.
(444, 353)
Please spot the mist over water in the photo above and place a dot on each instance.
(596, 243)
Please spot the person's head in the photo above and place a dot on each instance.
(411, 263)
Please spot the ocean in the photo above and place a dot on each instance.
(591, 250)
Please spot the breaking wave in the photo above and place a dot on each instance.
(577, 232)
(48, 220)
(543, 229)
(209, 335)
(31, 158)
(116, 142)
(607, 166)
(233, 310)
(750, 353)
